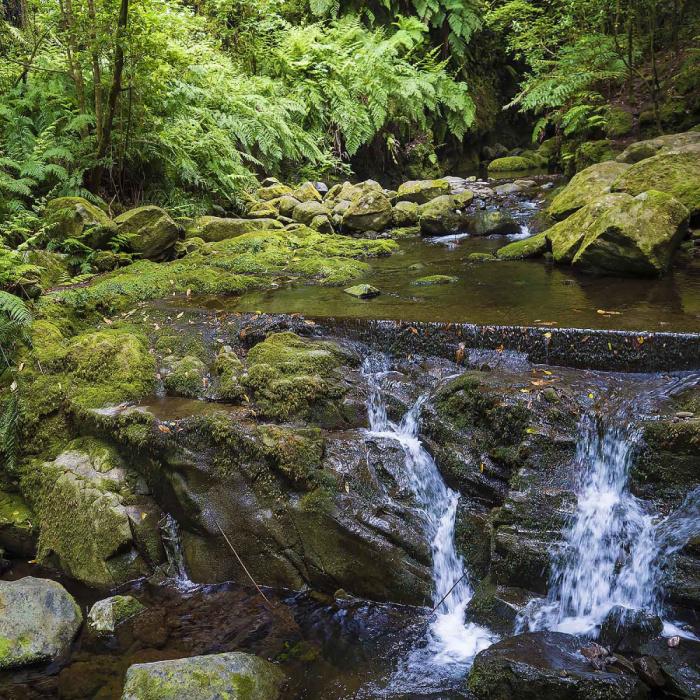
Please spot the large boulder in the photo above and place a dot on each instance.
(422, 191)
(676, 172)
(584, 187)
(405, 214)
(370, 212)
(212, 229)
(445, 214)
(75, 217)
(511, 164)
(306, 212)
(627, 630)
(234, 676)
(38, 621)
(531, 247)
(17, 533)
(153, 233)
(111, 534)
(273, 190)
(621, 234)
(307, 193)
(547, 665)
(492, 222)
(641, 150)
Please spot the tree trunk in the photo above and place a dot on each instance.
(96, 77)
(118, 68)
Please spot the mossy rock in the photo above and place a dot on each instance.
(434, 279)
(405, 214)
(38, 623)
(17, 533)
(107, 614)
(593, 152)
(445, 214)
(482, 257)
(262, 210)
(153, 233)
(621, 234)
(213, 228)
(363, 291)
(511, 164)
(584, 187)
(676, 172)
(490, 223)
(306, 212)
(75, 217)
(307, 193)
(422, 191)
(641, 150)
(370, 212)
(531, 247)
(228, 369)
(285, 205)
(273, 191)
(618, 123)
(184, 376)
(233, 676)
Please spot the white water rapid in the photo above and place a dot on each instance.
(614, 546)
(451, 644)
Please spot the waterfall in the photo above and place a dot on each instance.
(450, 641)
(170, 534)
(613, 547)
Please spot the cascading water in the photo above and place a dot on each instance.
(170, 534)
(450, 641)
(614, 547)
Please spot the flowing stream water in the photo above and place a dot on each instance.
(452, 643)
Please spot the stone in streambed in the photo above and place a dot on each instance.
(362, 291)
(38, 621)
(490, 223)
(508, 188)
(106, 615)
(547, 665)
(233, 676)
(531, 247)
(511, 163)
(370, 212)
(405, 214)
(445, 214)
(434, 279)
(422, 191)
(627, 630)
(680, 666)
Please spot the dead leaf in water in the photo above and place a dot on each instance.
(164, 429)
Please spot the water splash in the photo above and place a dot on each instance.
(451, 644)
(176, 570)
(614, 547)
(524, 232)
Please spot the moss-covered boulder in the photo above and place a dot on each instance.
(592, 152)
(422, 191)
(548, 665)
(618, 123)
(445, 214)
(75, 217)
(532, 247)
(227, 371)
(307, 193)
(273, 191)
(511, 164)
(492, 222)
(184, 376)
(107, 614)
(112, 534)
(233, 676)
(152, 232)
(213, 228)
(305, 212)
(641, 150)
(38, 622)
(621, 234)
(370, 212)
(363, 291)
(676, 172)
(262, 210)
(405, 214)
(584, 187)
(434, 279)
(285, 205)
(289, 376)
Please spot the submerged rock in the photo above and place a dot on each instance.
(497, 607)
(233, 676)
(489, 223)
(153, 233)
(106, 615)
(75, 217)
(584, 187)
(547, 665)
(38, 622)
(434, 279)
(621, 234)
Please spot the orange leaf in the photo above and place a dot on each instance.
(164, 429)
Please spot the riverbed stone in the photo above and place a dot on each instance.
(511, 164)
(153, 233)
(274, 190)
(107, 614)
(305, 212)
(676, 172)
(680, 666)
(628, 630)
(17, 532)
(307, 193)
(405, 214)
(184, 376)
(507, 188)
(38, 622)
(548, 665)
(362, 291)
(584, 187)
(490, 223)
(433, 280)
(621, 234)
(285, 205)
(532, 247)
(233, 676)
(445, 214)
(369, 212)
(422, 191)
(212, 229)
(75, 217)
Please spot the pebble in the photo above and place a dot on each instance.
(674, 641)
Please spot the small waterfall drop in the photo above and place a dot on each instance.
(614, 547)
(450, 641)
(170, 534)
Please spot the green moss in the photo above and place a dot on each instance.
(434, 279)
(595, 152)
(185, 376)
(527, 248)
(228, 369)
(511, 164)
(296, 454)
(618, 123)
(75, 217)
(481, 257)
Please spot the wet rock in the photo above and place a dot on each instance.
(445, 214)
(38, 622)
(511, 164)
(548, 665)
(434, 279)
(621, 234)
(531, 247)
(642, 150)
(234, 676)
(184, 376)
(508, 188)
(370, 212)
(585, 187)
(405, 214)
(497, 607)
(489, 223)
(422, 191)
(106, 615)
(498, 150)
(649, 670)
(17, 533)
(676, 172)
(627, 630)
(362, 291)
(153, 233)
(75, 217)
(680, 666)
(213, 229)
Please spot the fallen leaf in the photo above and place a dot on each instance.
(585, 339)
(188, 292)
(143, 515)
(347, 487)
(180, 315)
(107, 321)
(163, 428)
(547, 335)
(499, 349)
(481, 469)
